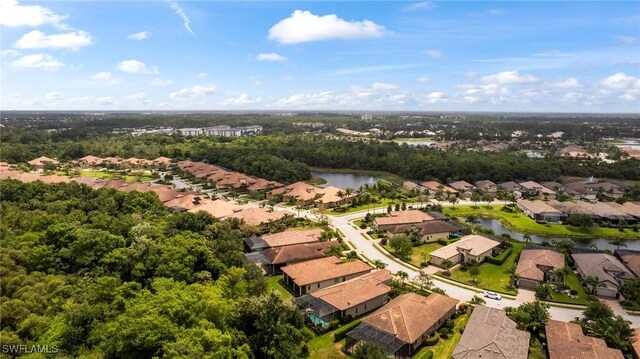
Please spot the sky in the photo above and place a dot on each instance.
(578, 56)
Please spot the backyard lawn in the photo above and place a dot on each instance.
(492, 277)
(444, 348)
(574, 282)
(419, 253)
(274, 285)
(323, 347)
(519, 222)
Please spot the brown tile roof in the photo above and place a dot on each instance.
(162, 161)
(627, 207)
(567, 341)
(462, 185)
(531, 260)
(434, 186)
(299, 190)
(570, 208)
(530, 185)
(607, 268)
(510, 186)
(293, 236)
(486, 186)
(330, 194)
(166, 194)
(321, 269)
(256, 216)
(490, 334)
(537, 207)
(601, 209)
(40, 161)
(403, 217)
(409, 316)
(631, 259)
(187, 202)
(219, 208)
(136, 186)
(262, 184)
(474, 244)
(636, 344)
(297, 252)
(429, 227)
(348, 294)
(91, 160)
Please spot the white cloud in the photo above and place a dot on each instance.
(10, 53)
(160, 82)
(105, 101)
(509, 78)
(13, 14)
(53, 96)
(106, 77)
(243, 99)
(271, 57)
(433, 53)
(380, 86)
(194, 91)
(424, 79)
(572, 97)
(143, 35)
(202, 75)
(567, 84)
(185, 19)
(40, 40)
(424, 5)
(43, 61)
(288, 78)
(630, 95)
(140, 97)
(378, 95)
(303, 99)
(136, 67)
(619, 81)
(303, 26)
(628, 40)
(494, 12)
(436, 97)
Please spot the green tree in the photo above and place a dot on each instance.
(530, 316)
(401, 246)
(600, 321)
(368, 351)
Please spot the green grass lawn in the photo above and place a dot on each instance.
(492, 277)
(521, 223)
(139, 176)
(444, 347)
(379, 208)
(419, 253)
(278, 288)
(574, 282)
(535, 349)
(323, 347)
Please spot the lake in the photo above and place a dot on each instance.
(631, 143)
(344, 180)
(601, 243)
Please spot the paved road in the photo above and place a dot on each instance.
(366, 248)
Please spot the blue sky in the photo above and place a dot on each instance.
(215, 55)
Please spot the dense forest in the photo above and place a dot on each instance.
(110, 274)
(287, 158)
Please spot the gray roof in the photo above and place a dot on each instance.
(490, 334)
(607, 268)
(256, 243)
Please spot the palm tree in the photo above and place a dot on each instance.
(446, 264)
(618, 243)
(402, 275)
(592, 283)
(424, 280)
(526, 238)
(593, 246)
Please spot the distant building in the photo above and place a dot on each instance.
(221, 131)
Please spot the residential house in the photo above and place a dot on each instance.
(286, 238)
(631, 259)
(301, 193)
(536, 189)
(567, 341)
(464, 188)
(259, 217)
(571, 209)
(487, 188)
(348, 299)
(607, 213)
(185, 203)
(438, 190)
(41, 161)
(489, 333)
(573, 151)
(540, 211)
(472, 247)
(90, 161)
(430, 231)
(559, 188)
(397, 218)
(609, 271)
(537, 266)
(272, 259)
(583, 191)
(607, 189)
(402, 325)
(629, 208)
(636, 343)
(162, 162)
(511, 187)
(309, 276)
(333, 197)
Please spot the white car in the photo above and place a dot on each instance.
(492, 295)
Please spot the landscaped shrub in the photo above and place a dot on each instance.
(442, 242)
(444, 332)
(501, 258)
(428, 355)
(384, 241)
(341, 333)
(363, 225)
(573, 292)
(432, 340)
(542, 291)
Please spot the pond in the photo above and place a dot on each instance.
(629, 143)
(344, 180)
(601, 243)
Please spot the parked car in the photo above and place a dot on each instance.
(492, 295)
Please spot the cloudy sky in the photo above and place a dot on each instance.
(216, 55)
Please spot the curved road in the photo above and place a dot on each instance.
(366, 248)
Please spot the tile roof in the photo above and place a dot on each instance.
(299, 190)
(601, 209)
(330, 194)
(355, 291)
(293, 236)
(40, 161)
(462, 185)
(636, 343)
(603, 266)
(490, 334)
(428, 227)
(409, 316)
(510, 186)
(530, 185)
(297, 252)
(321, 269)
(567, 341)
(256, 216)
(571, 208)
(412, 216)
(435, 186)
(631, 259)
(531, 260)
(475, 244)
(91, 160)
(537, 207)
(627, 207)
(486, 185)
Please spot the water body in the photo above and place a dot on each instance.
(344, 180)
(630, 143)
(601, 243)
